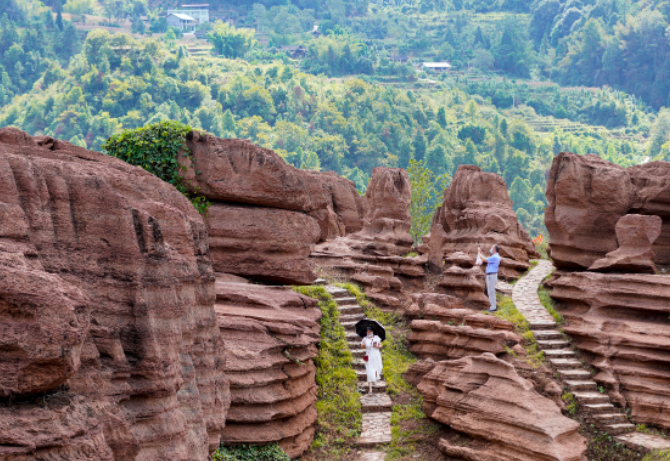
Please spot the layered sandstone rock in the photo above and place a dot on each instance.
(267, 215)
(270, 335)
(106, 307)
(263, 243)
(477, 211)
(588, 196)
(375, 256)
(485, 398)
(621, 324)
(635, 235)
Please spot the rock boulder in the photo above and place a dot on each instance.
(270, 335)
(107, 310)
(485, 398)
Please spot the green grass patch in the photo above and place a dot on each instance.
(508, 311)
(338, 404)
(548, 303)
(663, 455)
(570, 402)
(251, 453)
(397, 360)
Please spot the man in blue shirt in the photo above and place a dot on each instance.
(492, 263)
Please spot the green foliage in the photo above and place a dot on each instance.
(338, 403)
(157, 149)
(507, 311)
(663, 455)
(427, 190)
(548, 303)
(229, 41)
(570, 402)
(250, 453)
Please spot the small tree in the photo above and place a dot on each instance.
(427, 190)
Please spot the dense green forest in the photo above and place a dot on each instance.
(347, 106)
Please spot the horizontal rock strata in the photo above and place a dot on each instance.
(107, 327)
(486, 399)
(477, 211)
(622, 324)
(270, 335)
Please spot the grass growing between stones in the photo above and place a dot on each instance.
(409, 423)
(548, 303)
(508, 311)
(663, 455)
(338, 404)
(251, 453)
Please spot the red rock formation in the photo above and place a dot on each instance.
(476, 211)
(485, 398)
(276, 198)
(635, 235)
(621, 323)
(262, 243)
(270, 335)
(587, 195)
(106, 288)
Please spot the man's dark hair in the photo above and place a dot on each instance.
(497, 248)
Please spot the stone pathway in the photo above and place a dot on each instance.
(376, 408)
(574, 374)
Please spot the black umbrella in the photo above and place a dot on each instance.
(377, 328)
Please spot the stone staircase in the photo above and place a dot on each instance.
(575, 376)
(375, 408)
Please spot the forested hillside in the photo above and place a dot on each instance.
(348, 106)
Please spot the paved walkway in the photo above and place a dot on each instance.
(574, 374)
(376, 408)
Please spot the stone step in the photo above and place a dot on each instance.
(376, 403)
(551, 353)
(348, 325)
(586, 385)
(350, 310)
(347, 302)
(607, 419)
(351, 318)
(591, 397)
(320, 282)
(372, 456)
(379, 386)
(357, 353)
(617, 429)
(355, 346)
(337, 292)
(376, 429)
(565, 363)
(552, 344)
(352, 336)
(598, 408)
(577, 375)
(547, 334)
(542, 325)
(644, 442)
(358, 364)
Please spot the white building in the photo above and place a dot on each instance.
(435, 66)
(198, 12)
(181, 21)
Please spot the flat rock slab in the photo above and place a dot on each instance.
(376, 403)
(504, 287)
(637, 440)
(375, 456)
(376, 429)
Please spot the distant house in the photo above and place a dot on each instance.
(295, 52)
(315, 31)
(400, 58)
(181, 21)
(435, 67)
(198, 12)
(200, 34)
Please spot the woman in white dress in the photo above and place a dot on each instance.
(372, 344)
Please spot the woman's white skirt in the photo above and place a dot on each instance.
(374, 365)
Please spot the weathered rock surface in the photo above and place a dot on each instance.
(635, 235)
(106, 288)
(374, 256)
(485, 398)
(476, 211)
(267, 215)
(270, 335)
(588, 195)
(270, 244)
(621, 322)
